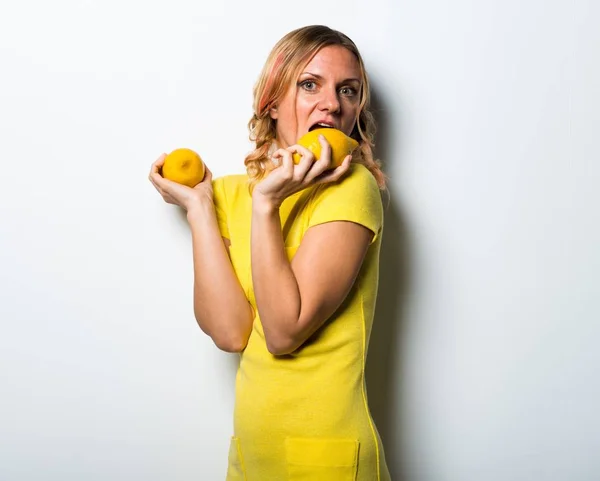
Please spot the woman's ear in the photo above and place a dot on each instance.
(273, 112)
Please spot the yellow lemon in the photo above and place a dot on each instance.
(341, 145)
(183, 166)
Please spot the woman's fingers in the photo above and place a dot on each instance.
(308, 171)
(325, 158)
(286, 163)
(157, 165)
(152, 179)
(207, 175)
(310, 168)
(154, 176)
(336, 173)
(165, 187)
(165, 195)
(322, 165)
(307, 160)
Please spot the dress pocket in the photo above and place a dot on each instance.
(235, 468)
(317, 459)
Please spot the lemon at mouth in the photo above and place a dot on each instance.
(341, 145)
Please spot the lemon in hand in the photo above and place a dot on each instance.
(184, 166)
(341, 145)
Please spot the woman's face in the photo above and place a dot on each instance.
(327, 93)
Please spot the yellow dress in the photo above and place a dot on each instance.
(304, 416)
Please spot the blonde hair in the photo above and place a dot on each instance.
(280, 72)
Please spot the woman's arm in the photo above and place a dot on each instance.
(295, 299)
(220, 305)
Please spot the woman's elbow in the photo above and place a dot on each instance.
(281, 345)
(229, 336)
(229, 343)
(228, 340)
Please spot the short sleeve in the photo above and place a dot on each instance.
(355, 198)
(220, 201)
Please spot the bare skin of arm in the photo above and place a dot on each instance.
(220, 305)
(315, 283)
(312, 286)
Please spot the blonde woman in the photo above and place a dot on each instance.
(286, 262)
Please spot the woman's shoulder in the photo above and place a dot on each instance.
(356, 190)
(358, 180)
(362, 172)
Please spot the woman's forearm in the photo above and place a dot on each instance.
(220, 304)
(275, 286)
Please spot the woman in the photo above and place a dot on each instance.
(286, 269)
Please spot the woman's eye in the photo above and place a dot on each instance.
(308, 85)
(348, 91)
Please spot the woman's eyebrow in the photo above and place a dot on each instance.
(317, 76)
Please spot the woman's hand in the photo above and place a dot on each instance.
(289, 178)
(178, 194)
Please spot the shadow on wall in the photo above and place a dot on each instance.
(384, 371)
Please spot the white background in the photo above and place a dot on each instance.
(483, 363)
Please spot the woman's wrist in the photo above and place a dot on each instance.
(201, 210)
(263, 205)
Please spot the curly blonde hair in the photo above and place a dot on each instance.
(280, 72)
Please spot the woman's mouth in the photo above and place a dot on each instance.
(322, 125)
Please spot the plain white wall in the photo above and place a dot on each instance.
(483, 363)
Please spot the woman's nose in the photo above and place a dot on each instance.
(330, 101)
